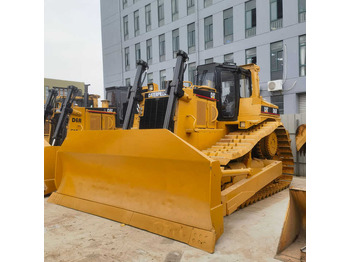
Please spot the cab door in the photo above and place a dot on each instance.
(228, 103)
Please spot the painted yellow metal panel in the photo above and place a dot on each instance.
(134, 170)
(49, 167)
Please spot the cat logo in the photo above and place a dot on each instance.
(77, 120)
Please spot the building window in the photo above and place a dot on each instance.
(136, 23)
(149, 51)
(148, 17)
(228, 58)
(302, 55)
(174, 10)
(208, 3)
(125, 3)
(126, 27)
(302, 11)
(61, 91)
(137, 52)
(208, 32)
(127, 61)
(209, 60)
(162, 48)
(228, 26)
(250, 18)
(276, 14)
(149, 78)
(250, 56)
(278, 101)
(190, 7)
(191, 72)
(191, 39)
(276, 60)
(160, 12)
(302, 102)
(127, 82)
(176, 42)
(162, 77)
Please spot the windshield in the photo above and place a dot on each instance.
(205, 78)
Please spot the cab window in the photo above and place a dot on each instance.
(245, 88)
(228, 99)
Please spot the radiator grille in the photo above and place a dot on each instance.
(153, 116)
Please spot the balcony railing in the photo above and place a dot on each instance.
(302, 17)
(250, 32)
(276, 24)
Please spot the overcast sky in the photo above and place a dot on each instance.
(72, 41)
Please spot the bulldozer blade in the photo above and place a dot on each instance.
(49, 167)
(150, 179)
(292, 242)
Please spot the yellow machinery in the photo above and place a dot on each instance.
(300, 139)
(186, 157)
(291, 247)
(292, 244)
(71, 118)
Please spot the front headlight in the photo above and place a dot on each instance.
(242, 124)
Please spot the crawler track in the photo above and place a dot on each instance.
(239, 143)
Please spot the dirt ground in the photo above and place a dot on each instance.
(250, 234)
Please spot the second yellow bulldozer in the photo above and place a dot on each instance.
(187, 155)
(61, 116)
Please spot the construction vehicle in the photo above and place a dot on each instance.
(118, 98)
(300, 139)
(292, 244)
(70, 118)
(187, 156)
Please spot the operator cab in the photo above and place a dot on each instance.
(231, 83)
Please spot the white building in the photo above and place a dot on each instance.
(271, 33)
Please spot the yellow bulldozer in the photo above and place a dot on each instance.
(292, 244)
(186, 157)
(61, 117)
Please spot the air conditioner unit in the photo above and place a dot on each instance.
(274, 85)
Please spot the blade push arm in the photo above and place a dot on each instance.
(66, 109)
(135, 94)
(50, 103)
(175, 89)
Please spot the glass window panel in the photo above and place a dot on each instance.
(126, 27)
(228, 100)
(137, 52)
(278, 100)
(149, 78)
(162, 76)
(279, 9)
(209, 60)
(228, 22)
(191, 72)
(302, 55)
(228, 58)
(244, 86)
(149, 50)
(302, 6)
(273, 11)
(148, 17)
(248, 19)
(136, 22)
